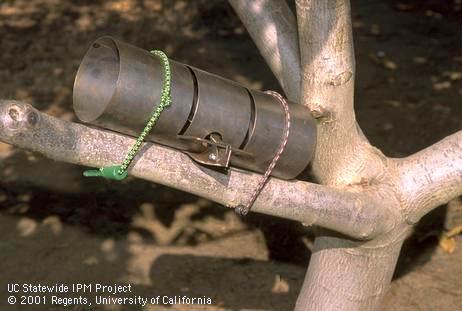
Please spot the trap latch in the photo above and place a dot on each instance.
(213, 150)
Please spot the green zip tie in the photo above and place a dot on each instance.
(119, 172)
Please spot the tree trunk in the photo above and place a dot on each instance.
(345, 275)
(342, 274)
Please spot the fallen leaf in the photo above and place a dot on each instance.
(442, 85)
(280, 285)
(455, 75)
(389, 64)
(384, 62)
(454, 231)
(447, 241)
(447, 244)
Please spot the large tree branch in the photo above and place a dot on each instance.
(350, 213)
(273, 28)
(431, 177)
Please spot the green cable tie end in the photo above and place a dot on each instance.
(107, 172)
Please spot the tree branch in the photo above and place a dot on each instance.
(347, 212)
(431, 177)
(343, 155)
(273, 28)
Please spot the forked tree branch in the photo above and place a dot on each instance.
(432, 176)
(346, 212)
(273, 28)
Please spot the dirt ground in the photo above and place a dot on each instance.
(57, 226)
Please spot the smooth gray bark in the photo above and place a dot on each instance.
(347, 212)
(432, 176)
(273, 28)
(348, 275)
